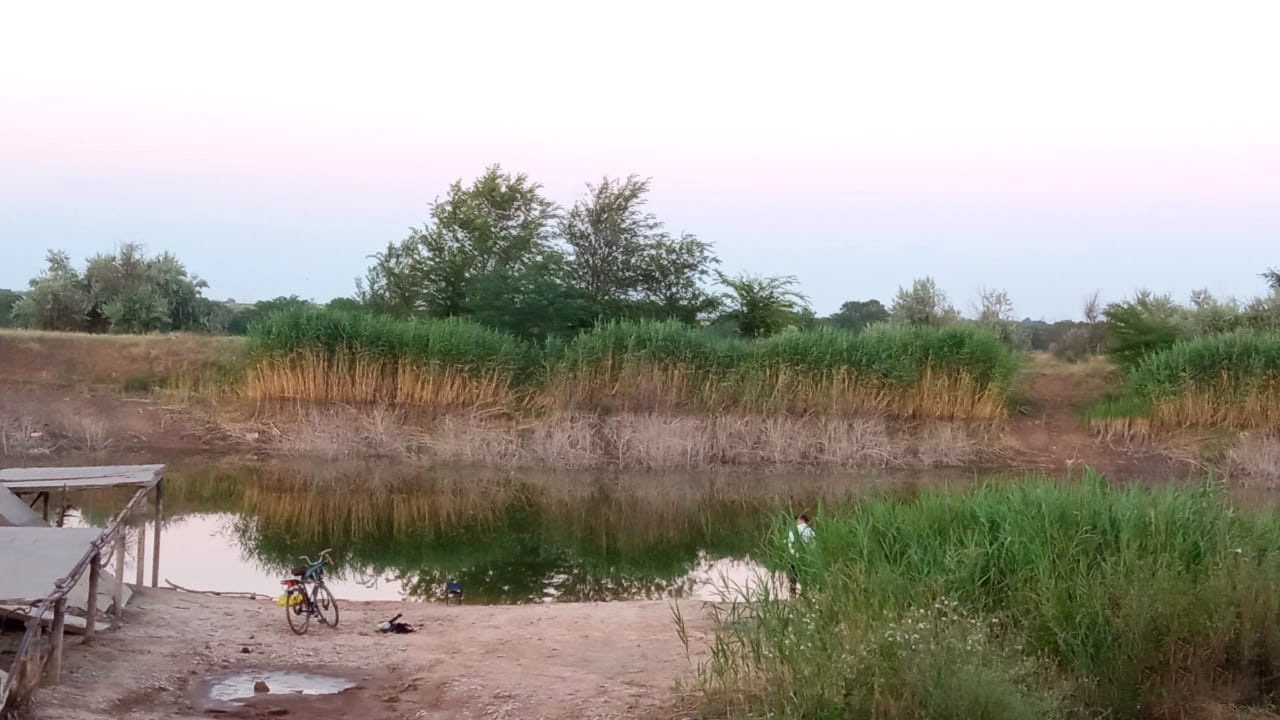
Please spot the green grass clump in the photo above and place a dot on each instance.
(1014, 600)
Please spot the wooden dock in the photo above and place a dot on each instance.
(43, 569)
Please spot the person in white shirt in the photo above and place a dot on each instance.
(805, 535)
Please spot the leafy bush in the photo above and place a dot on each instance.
(1135, 332)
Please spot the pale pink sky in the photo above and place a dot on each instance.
(1050, 152)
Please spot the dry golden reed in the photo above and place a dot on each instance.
(313, 376)
(651, 388)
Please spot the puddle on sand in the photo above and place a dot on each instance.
(240, 686)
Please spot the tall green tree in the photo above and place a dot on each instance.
(624, 261)
(136, 293)
(56, 299)
(608, 234)
(677, 270)
(499, 225)
(762, 306)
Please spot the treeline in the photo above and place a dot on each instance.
(125, 292)
(499, 252)
(130, 292)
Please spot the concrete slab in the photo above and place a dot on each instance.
(33, 559)
(16, 513)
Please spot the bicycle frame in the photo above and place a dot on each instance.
(304, 587)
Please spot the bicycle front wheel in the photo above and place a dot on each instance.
(326, 606)
(297, 611)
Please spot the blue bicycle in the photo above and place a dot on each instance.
(305, 594)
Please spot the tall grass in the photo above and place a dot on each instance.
(642, 366)
(1229, 380)
(951, 373)
(324, 355)
(1010, 601)
(942, 373)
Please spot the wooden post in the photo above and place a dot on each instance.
(155, 550)
(29, 674)
(141, 575)
(117, 597)
(53, 670)
(91, 612)
(45, 497)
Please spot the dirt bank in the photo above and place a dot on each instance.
(608, 660)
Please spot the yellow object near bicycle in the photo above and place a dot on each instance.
(289, 599)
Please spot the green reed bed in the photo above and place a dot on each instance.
(315, 354)
(648, 366)
(1229, 380)
(960, 372)
(1028, 600)
(642, 366)
(953, 373)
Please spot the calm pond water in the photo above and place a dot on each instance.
(401, 532)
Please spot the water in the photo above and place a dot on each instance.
(402, 533)
(240, 686)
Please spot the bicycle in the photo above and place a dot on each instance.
(300, 603)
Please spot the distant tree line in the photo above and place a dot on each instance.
(498, 251)
(126, 292)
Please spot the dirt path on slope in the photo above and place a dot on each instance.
(1046, 432)
(602, 661)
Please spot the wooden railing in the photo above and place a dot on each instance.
(37, 658)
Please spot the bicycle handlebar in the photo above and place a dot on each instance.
(324, 557)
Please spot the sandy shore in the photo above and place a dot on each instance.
(607, 660)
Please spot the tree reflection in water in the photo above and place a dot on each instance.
(508, 537)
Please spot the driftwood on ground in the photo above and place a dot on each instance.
(216, 593)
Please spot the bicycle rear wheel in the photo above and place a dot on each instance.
(326, 606)
(297, 611)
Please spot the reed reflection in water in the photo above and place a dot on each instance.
(402, 531)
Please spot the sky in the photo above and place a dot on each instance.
(1046, 149)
